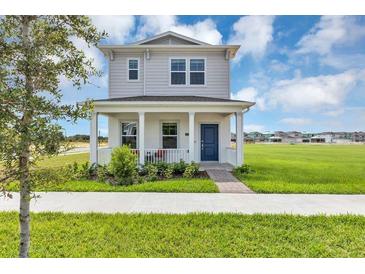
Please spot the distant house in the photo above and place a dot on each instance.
(358, 137)
(275, 139)
(255, 136)
(322, 138)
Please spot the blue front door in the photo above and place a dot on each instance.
(209, 142)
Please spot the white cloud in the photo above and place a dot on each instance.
(118, 27)
(329, 32)
(249, 94)
(205, 30)
(313, 93)
(334, 113)
(277, 66)
(344, 61)
(296, 121)
(246, 94)
(253, 33)
(253, 127)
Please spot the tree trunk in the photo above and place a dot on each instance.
(24, 212)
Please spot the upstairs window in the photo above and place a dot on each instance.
(197, 72)
(133, 69)
(129, 134)
(169, 135)
(178, 72)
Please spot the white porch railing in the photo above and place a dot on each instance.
(166, 155)
(231, 155)
(151, 155)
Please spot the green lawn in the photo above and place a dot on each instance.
(173, 185)
(306, 168)
(63, 160)
(192, 235)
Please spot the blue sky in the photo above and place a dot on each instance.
(305, 73)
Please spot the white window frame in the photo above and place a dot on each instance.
(177, 133)
(186, 71)
(121, 131)
(204, 71)
(138, 69)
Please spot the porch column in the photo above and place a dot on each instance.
(94, 138)
(191, 136)
(239, 138)
(141, 137)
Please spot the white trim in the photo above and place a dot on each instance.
(177, 122)
(138, 69)
(229, 79)
(171, 33)
(121, 129)
(191, 125)
(144, 72)
(94, 138)
(205, 72)
(186, 71)
(219, 123)
(168, 108)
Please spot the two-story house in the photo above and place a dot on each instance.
(169, 99)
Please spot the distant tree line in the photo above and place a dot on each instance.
(84, 138)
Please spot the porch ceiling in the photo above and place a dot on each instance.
(170, 104)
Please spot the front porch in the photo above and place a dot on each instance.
(187, 131)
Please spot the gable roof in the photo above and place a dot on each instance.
(190, 40)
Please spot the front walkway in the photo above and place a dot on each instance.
(108, 202)
(221, 174)
(226, 182)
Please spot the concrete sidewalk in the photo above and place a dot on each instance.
(113, 202)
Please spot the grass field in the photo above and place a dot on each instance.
(173, 185)
(306, 168)
(192, 235)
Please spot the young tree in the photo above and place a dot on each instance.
(35, 51)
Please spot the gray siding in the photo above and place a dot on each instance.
(119, 86)
(157, 75)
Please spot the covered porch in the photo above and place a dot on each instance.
(170, 131)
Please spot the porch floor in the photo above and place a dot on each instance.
(215, 166)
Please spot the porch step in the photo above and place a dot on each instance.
(226, 182)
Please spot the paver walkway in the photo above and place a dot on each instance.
(134, 202)
(226, 182)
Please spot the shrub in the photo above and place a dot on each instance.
(179, 168)
(48, 176)
(102, 173)
(168, 172)
(191, 170)
(87, 171)
(123, 165)
(161, 167)
(243, 169)
(151, 171)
